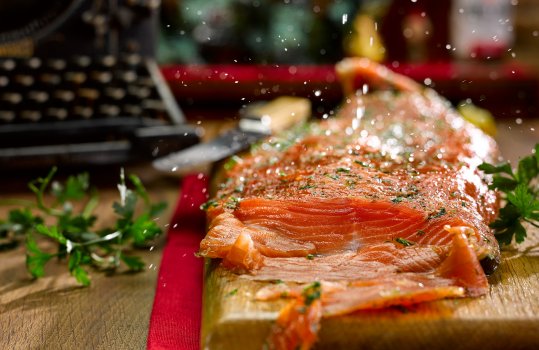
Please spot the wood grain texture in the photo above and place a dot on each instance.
(506, 318)
(56, 313)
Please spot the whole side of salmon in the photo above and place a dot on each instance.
(380, 205)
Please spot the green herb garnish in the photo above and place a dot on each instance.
(239, 189)
(333, 177)
(404, 242)
(233, 203)
(231, 162)
(310, 256)
(520, 190)
(209, 204)
(397, 199)
(77, 241)
(363, 164)
(312, 292)
(438, 214)
(232, 292)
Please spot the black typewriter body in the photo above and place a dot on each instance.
(79, 84)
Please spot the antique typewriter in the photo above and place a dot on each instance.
(79, 84)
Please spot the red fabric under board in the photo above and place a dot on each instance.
(176, 313)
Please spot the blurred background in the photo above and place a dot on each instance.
(112, 81)
(484, 51)
(323, 31)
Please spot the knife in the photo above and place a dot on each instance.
(257, 121)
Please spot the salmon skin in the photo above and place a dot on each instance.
(384, 201)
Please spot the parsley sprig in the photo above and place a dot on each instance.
(72, 232)
(520, 190)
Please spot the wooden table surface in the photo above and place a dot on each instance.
(55, 313)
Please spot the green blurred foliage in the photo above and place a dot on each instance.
(254, 31)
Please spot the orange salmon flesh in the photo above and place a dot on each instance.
(382, 204)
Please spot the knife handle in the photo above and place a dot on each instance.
(276, 115)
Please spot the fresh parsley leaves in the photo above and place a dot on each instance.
(520, 190)
(76, 240)
(312, 292)
(404, 242)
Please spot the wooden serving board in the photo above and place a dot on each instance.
(506, 318)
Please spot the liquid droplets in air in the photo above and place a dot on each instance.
(365, 89)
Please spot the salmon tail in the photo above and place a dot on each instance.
(462, 264)
(298, 322)
(349, 68)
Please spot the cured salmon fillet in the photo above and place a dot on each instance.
(382, 205)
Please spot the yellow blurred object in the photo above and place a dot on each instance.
(479, 117)
(364, 41)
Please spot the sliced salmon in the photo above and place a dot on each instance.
(383, 202)
(243, 254)
(298, 322)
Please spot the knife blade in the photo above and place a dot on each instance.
(257, 121)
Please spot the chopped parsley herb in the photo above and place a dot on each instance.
(363, 164)
(68, 222)
(438, 214)
(239, 189)
(232, 162)
(233, 203)
(404, 242)
(310, 256)
(463, 203)
(343, 170)
(306, 187)
(312, 292)
(281, 173)
(232, 292)
(420, 232)
(333, 177)
(277, 281)
(209, 204)
(397, 199)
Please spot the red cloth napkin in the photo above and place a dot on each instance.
(176, 313)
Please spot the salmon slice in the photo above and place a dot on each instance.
(243, 254)
(367, 263)
(383, 203)
(407, 277)
(298, 322)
